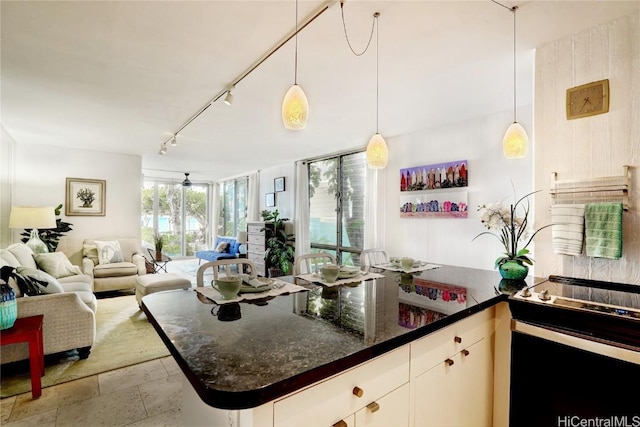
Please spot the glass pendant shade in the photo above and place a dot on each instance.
(515, 142)
(295, 109)
(377, 152)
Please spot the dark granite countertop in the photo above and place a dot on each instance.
(285, 343)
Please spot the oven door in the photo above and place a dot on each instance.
(560, 378)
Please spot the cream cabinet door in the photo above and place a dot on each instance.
(389, 410)
(457, 391)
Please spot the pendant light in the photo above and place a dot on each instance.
(295, 107)
(377, 151)
(515, 141)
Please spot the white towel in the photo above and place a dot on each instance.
(567, 231)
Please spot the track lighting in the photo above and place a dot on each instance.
(174, 141)
(163, 149)
(229, 98)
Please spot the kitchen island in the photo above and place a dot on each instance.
(278, 347)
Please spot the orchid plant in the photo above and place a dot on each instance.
(513, 230)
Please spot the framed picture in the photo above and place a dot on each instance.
(85, 197)
(434, 177)
(270, 200)
(278, 184)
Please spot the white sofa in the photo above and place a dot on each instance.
(69, 317)
(117, 275)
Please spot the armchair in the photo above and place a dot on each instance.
(112, 269)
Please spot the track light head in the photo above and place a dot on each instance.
(163, 149)
(174, 140)
(229, 98)
(186, 182)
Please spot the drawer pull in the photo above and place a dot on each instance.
(457, 340)
(449, 362)
(340, 423)
(465, 352)
(373, 407)
(358, 392)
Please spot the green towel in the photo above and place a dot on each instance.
(603, 230)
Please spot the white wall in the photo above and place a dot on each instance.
(285, 202)
(448, 241)
(40, 174)
(7, 147)
(592, 146)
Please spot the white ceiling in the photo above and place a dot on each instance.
(122, 76)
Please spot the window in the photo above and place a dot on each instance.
(179, 213)
(336, 206)
(232, 205)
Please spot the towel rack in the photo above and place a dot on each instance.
(592, 190)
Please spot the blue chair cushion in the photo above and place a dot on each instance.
(232, 250)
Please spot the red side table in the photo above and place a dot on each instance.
(29, 329)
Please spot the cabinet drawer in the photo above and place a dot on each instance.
(255, 228)
(329, 401)
(434, 348)
(391, 410)
(255, 239)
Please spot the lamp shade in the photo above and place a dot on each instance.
(295, 108)
(241, 237)
(515, 142)
(32, 217)
(377, 152)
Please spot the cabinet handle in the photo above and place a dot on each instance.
(465, 352)
(358, 392)
(340, 423)
(449, 362)
(457, 340)
(373, 407)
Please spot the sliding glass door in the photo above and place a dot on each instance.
(178, 213)
(336, 206)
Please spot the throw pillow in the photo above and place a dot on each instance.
(45, 283)
(91, 252)
(109, 252)
(222, 246)
(56, 264)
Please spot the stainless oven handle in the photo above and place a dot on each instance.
(590, 345)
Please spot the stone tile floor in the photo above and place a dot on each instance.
(147, 394)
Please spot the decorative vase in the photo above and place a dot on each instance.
(511, 286)
(8, 307)
(158, 254)
(513, 269)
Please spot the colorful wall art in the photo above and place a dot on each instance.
(431, 177)
(434, 205)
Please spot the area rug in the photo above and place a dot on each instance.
(124, 337)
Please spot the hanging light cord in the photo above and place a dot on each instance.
(513, 10)
(295, 73)
(375, 21)
(344, 26)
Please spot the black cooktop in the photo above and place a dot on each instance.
(598, 310)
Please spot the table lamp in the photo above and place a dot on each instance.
(33, 217)
(241, 238)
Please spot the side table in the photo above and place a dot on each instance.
(29, 330)
(159, 264)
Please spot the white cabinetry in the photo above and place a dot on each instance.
(334, 400)
(452, 374)
(256, 245)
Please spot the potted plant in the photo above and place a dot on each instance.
(515, 234)
(280, 252)
(158, 240)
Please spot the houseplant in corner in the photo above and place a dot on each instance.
(513, 232)
(280, 252)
